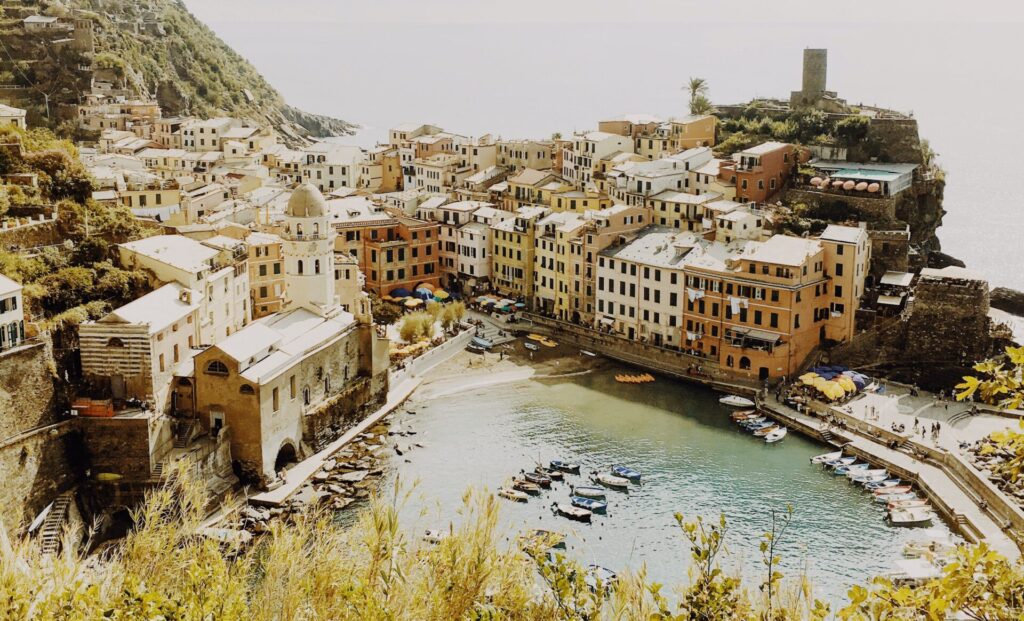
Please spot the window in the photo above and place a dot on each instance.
(300, 266)
(839, 269)
(291, 387)
(246, 389)
(773, 320)
(216, 367)
(115, 342)
(276, 400)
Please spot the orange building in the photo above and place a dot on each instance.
(759, 172)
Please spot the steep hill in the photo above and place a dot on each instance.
(157, 47)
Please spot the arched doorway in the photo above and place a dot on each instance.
(286, 456)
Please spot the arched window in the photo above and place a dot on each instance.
(216, 367)
(115, 342)
(744, 362)
(298, 230)
(246, 389)
(300, 266)
(316, 266)
(728, 361)
(316, 228)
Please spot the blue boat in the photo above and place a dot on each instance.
(842, 461)
(589, 504)
(626, 473)
(482, 342)
(564, 466)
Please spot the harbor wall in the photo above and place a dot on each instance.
(429, 360)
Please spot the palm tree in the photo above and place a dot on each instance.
(701, 105)
(697, 86)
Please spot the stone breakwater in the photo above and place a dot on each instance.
(349, 475)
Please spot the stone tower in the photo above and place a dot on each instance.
(309, 253)
(815, 69)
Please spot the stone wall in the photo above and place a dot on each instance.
(36, 467)
(889, 140)
(360, 398)
(890, 251)
(28, 394)
(859, 207)
(118, 445)
(42, 234)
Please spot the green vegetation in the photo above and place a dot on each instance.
(384, 313)
(699, 102)
(417, 326)
(378, 570)
(803, 126)
(452, 314)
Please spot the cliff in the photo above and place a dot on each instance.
(153, 48)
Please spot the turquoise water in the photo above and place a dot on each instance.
(693, 459)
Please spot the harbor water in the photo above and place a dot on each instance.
(693, 459)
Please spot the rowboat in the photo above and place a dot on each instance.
(735, 401)
(763, 431)
(882, 484)
(742, 414)
(525, 486)
(914, 516)
(539, 479)
(756, 423)
(554, 475)
(626, 473)
(473, 348)
(597, 575)
(548, 343)
(564, 466)
(610, 480)
(864, 480)
(571, 512)
(776, 435)
(531, 346)
(590, 504)
(545, 539)
(907, 504)
(853, 475)
(820, 459)
(512, 494)
(885, 500)
(482, 342)
(844, 469)
(596, 493)
(842, 461)
(536, 337)
(895, 489)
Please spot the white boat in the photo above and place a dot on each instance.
(865, 480)
(907, 504)
(820, 459)
(610, 480)
(513, 494)
(735, 401)
(776, 435)
(936, 541)
(865, 473)
(588, 353)
(766, 431)
(914, 516)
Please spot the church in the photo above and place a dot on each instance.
(291, 382)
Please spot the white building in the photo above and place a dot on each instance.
(330, 166)
(309, 252)
(633, 182)
(579, 161)
(9, 115)
(12, 314)
(474, 241)
(221, 278)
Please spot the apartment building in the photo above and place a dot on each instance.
(695, 130)
(266, 273)
(579, 161)
(12, 314)
(330, 166)
(679, 210)
(759, 172)
(474, 244)
(848, 261)
(551, 266)
(512, 252)
(520, 154)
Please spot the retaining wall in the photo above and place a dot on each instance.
(432, 358)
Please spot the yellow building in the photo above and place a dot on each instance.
(695, 130)
(266, 273)
(848, 259)
(578, 201)
(551, 280)
(512, 252)
(531, 187)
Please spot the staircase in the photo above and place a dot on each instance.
(493, 333)
(827, 436)
(184, 435)
(158, 470)
(52, 530)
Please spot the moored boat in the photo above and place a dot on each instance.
(882, 484)
(482, 342)
(844, 469)
(525, 486)
(763, 431)
(513, 494)
(825, 457)
(914, 516)
(545, 539)
(842, 461)
(590, 504)
(531, 346)
(864, 480)
(610, 480)
(626, 473)
(736, 401)
(571, 512)
(564, 466)
(539, 479)
(895, 489)
(554, 475)
(907, 504)
(885, 500)
(741, 414)
(853, 475)
(776, 435)
(586, 491)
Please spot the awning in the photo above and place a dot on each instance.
(898, 279)
(607, 320)
(763, 335)
(890, 300)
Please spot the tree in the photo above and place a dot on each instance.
(852, 130)
(696, 87)
(384, 314)
(411, 327)
(998, 385)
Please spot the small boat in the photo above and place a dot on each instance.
(597, 493)
(548, 343)
(590, 504)
(936, 541)
(588, 353)
(513, 494)
(763, 431)
(546, 539)
(882, 484)
(482, 342)
(914, 516)
(865, 472)
(873, 478)
(473, 348)
(820, 459)
(907, 504)
(645, 378)
(531, 346)
(735, 401)
(756, 423)
(743, 414)
(597, 575)
(536, 337)
(895, 489)
(538, 479)
(759, 426)
(571, 512)
(885, 500)
(844, 469)
(753, 420)
(554, 475)
(434, 536)
(626, 473)
(842, 461)
(564, 466)
(776, 435)
(610, 480)
(525, 486)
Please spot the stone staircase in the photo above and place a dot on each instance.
(184, 435)
(493, 334)
(159, 470)
(52, 530)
